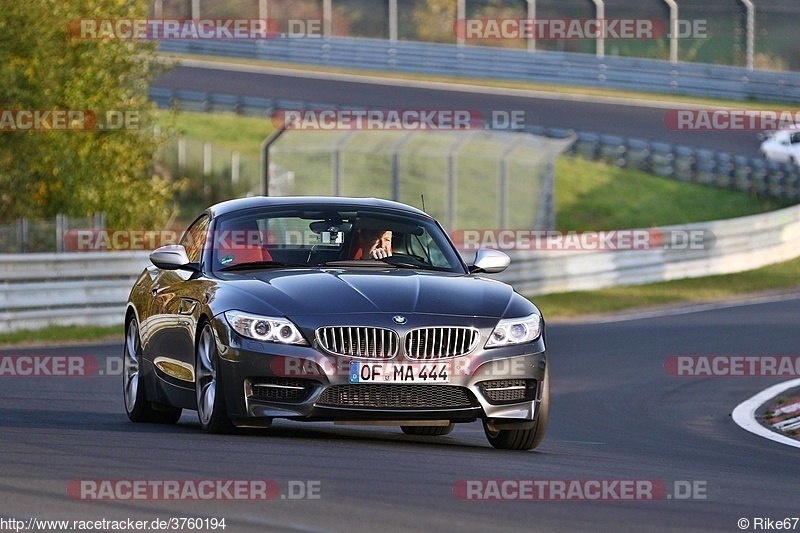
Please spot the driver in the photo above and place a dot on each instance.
(374, 244)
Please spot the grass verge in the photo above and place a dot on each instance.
(589, 195)
(594, 195)
(781, 276)
(62, 334)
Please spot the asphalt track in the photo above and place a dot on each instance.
(613, 118)
(616, 414)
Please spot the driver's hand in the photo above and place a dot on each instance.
(379, 253)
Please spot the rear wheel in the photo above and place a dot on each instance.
(136, 404)
(523, 439)
(211, 409)
(428, 431)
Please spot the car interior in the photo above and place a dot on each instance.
(296, 241)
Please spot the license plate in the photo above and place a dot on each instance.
(370, 372)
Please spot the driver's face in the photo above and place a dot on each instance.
(378, 248)
(384, 242)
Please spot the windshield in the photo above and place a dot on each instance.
(302, 238)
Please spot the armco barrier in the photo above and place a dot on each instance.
(741, 244)
(694, 79)
(68, 289)
(37, 290)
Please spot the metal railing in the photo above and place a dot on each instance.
(40, 290)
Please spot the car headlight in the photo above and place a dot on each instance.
(515, 331)
(265, 328)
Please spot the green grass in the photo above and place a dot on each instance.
(593, 195)
(225, 130)
(589, 195)
(781, 276)
(66, 334)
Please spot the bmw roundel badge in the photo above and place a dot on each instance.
(397, 319)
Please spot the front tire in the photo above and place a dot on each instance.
(524, 439)
(133, 389)
(428, 431)
(211, 409)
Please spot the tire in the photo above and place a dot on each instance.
(211, 409)
(428, 431)
(133, 390)
(524, 439)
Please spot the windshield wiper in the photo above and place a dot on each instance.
(380, 263)
(254, 265)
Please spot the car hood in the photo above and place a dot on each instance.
(325, 291)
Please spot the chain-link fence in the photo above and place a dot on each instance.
(467, 180)
(216, 172)
(42, 236)
(724, 23)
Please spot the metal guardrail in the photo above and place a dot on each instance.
(37, 290)
(69, 289)
(660, 76)
(717, 169)
(744, 243)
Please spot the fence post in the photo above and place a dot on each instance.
(327, 18)
(673, 30)
(235, 167)
(549, 194)
(265, 146)
(206, 159)
(181, 154)
(393, 21)
(337, 163)
(461, 14)
(396, 165)
(751, 28)
(60, 224)
(452, 180)
(502, 181)
(600, 14)
(23, 234)
(532, 16)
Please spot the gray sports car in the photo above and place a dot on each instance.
(357, 311)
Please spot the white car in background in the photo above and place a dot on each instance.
(782, 146)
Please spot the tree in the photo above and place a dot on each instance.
(435, 21)
(78, 173)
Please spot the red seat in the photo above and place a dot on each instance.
(239, 246)
(243, 254)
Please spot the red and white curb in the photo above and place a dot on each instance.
(745, 413)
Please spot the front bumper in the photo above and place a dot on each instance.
(262, 381)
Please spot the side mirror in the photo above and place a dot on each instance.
(171, 257)
(489, 262)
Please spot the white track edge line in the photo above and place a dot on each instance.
(744, 415)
